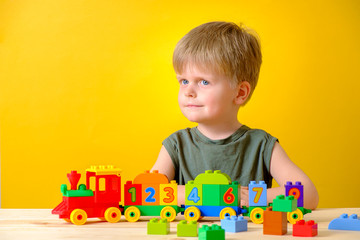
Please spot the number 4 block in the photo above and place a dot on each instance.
(257, 194)
(193, 193)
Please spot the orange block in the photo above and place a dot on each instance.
(151, 178)
(275, 223)
(150, 194)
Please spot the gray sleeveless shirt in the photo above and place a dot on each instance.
(244, 156)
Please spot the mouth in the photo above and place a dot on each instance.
(193, 106)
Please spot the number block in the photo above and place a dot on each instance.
(257, 194)
(132, 194)
(168, 193)
(229, 194)
(150, 194)
(297, 191)
(193, 193)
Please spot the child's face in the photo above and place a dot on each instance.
(207, 98)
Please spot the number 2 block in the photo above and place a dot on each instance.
(168, 193)
(193, 193)
(150, 194)
(257, 194)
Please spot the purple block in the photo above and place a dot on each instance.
(297, 191)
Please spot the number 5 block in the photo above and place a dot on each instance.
(257, 194)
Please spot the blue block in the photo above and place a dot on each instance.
(344, 222)
(234, 224)
(257, 194)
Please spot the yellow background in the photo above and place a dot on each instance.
(91, 82)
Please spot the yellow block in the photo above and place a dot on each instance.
(168, 193)
(105, 170)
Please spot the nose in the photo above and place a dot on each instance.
(190, 91)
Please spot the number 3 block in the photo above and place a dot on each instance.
(168, 193)
(257, 194)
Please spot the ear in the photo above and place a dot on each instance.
(243, 92)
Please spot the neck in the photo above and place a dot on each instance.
(217, 132)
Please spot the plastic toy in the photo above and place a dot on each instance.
(275, 223)
(103, 203)
(344, 222)
(187, 229)
(234, 224)
(282, 204)
(214, 232)
(218, 199)
(297, 191)
(305, 229)
(257, 194)
(158, 227)
(151, 194)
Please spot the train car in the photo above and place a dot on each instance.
(211, 194)
(81, 203)
(151, 194)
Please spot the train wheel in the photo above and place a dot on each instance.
(295, 216)
(257, 215)
(169, 213)
(132, 214)
(192, 214)
(78, 217)
(112, 215)
(227, 212)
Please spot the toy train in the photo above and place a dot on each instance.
(211, 194)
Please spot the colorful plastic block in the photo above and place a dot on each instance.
(257, 194)
(210, 177)
(187, 229)
(158, 227)
(229, 194)
(193, 193)
(305, 229)
(297, 191)
(282, 204)
(168, 193)
(151, 178)
(132, 193)
(214, 232)
(275, 223)
(234, 224)
(211, 194)
(150, 194)
(344, 222)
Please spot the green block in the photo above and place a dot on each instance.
(210, 177)
(214, 232)
(81, 192)
(282, 204)
(158, 227)
(229, 194)
(211, 194)
(187, 229)
(193, 194)
(152, 210)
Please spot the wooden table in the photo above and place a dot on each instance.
(40, 224)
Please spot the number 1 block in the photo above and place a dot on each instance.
(132, 194)
(257, 194)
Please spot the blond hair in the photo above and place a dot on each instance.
(223, 47)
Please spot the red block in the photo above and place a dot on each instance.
(275, 223)
(132, 194)
(305, 229)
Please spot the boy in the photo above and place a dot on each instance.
(217, 66)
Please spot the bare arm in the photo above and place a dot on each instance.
(283, 169)
(165, 166)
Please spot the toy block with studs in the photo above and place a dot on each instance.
(214, 232)
(284, 204)
(210, 177)
(305, 229)
(234, 224)
(158, 227)
(275, 223)
(344, 222)
(229, 194)
(296, 190)
(257, 194)
(187, 229)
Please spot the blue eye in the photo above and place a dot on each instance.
(184, 82)
(204, 82)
